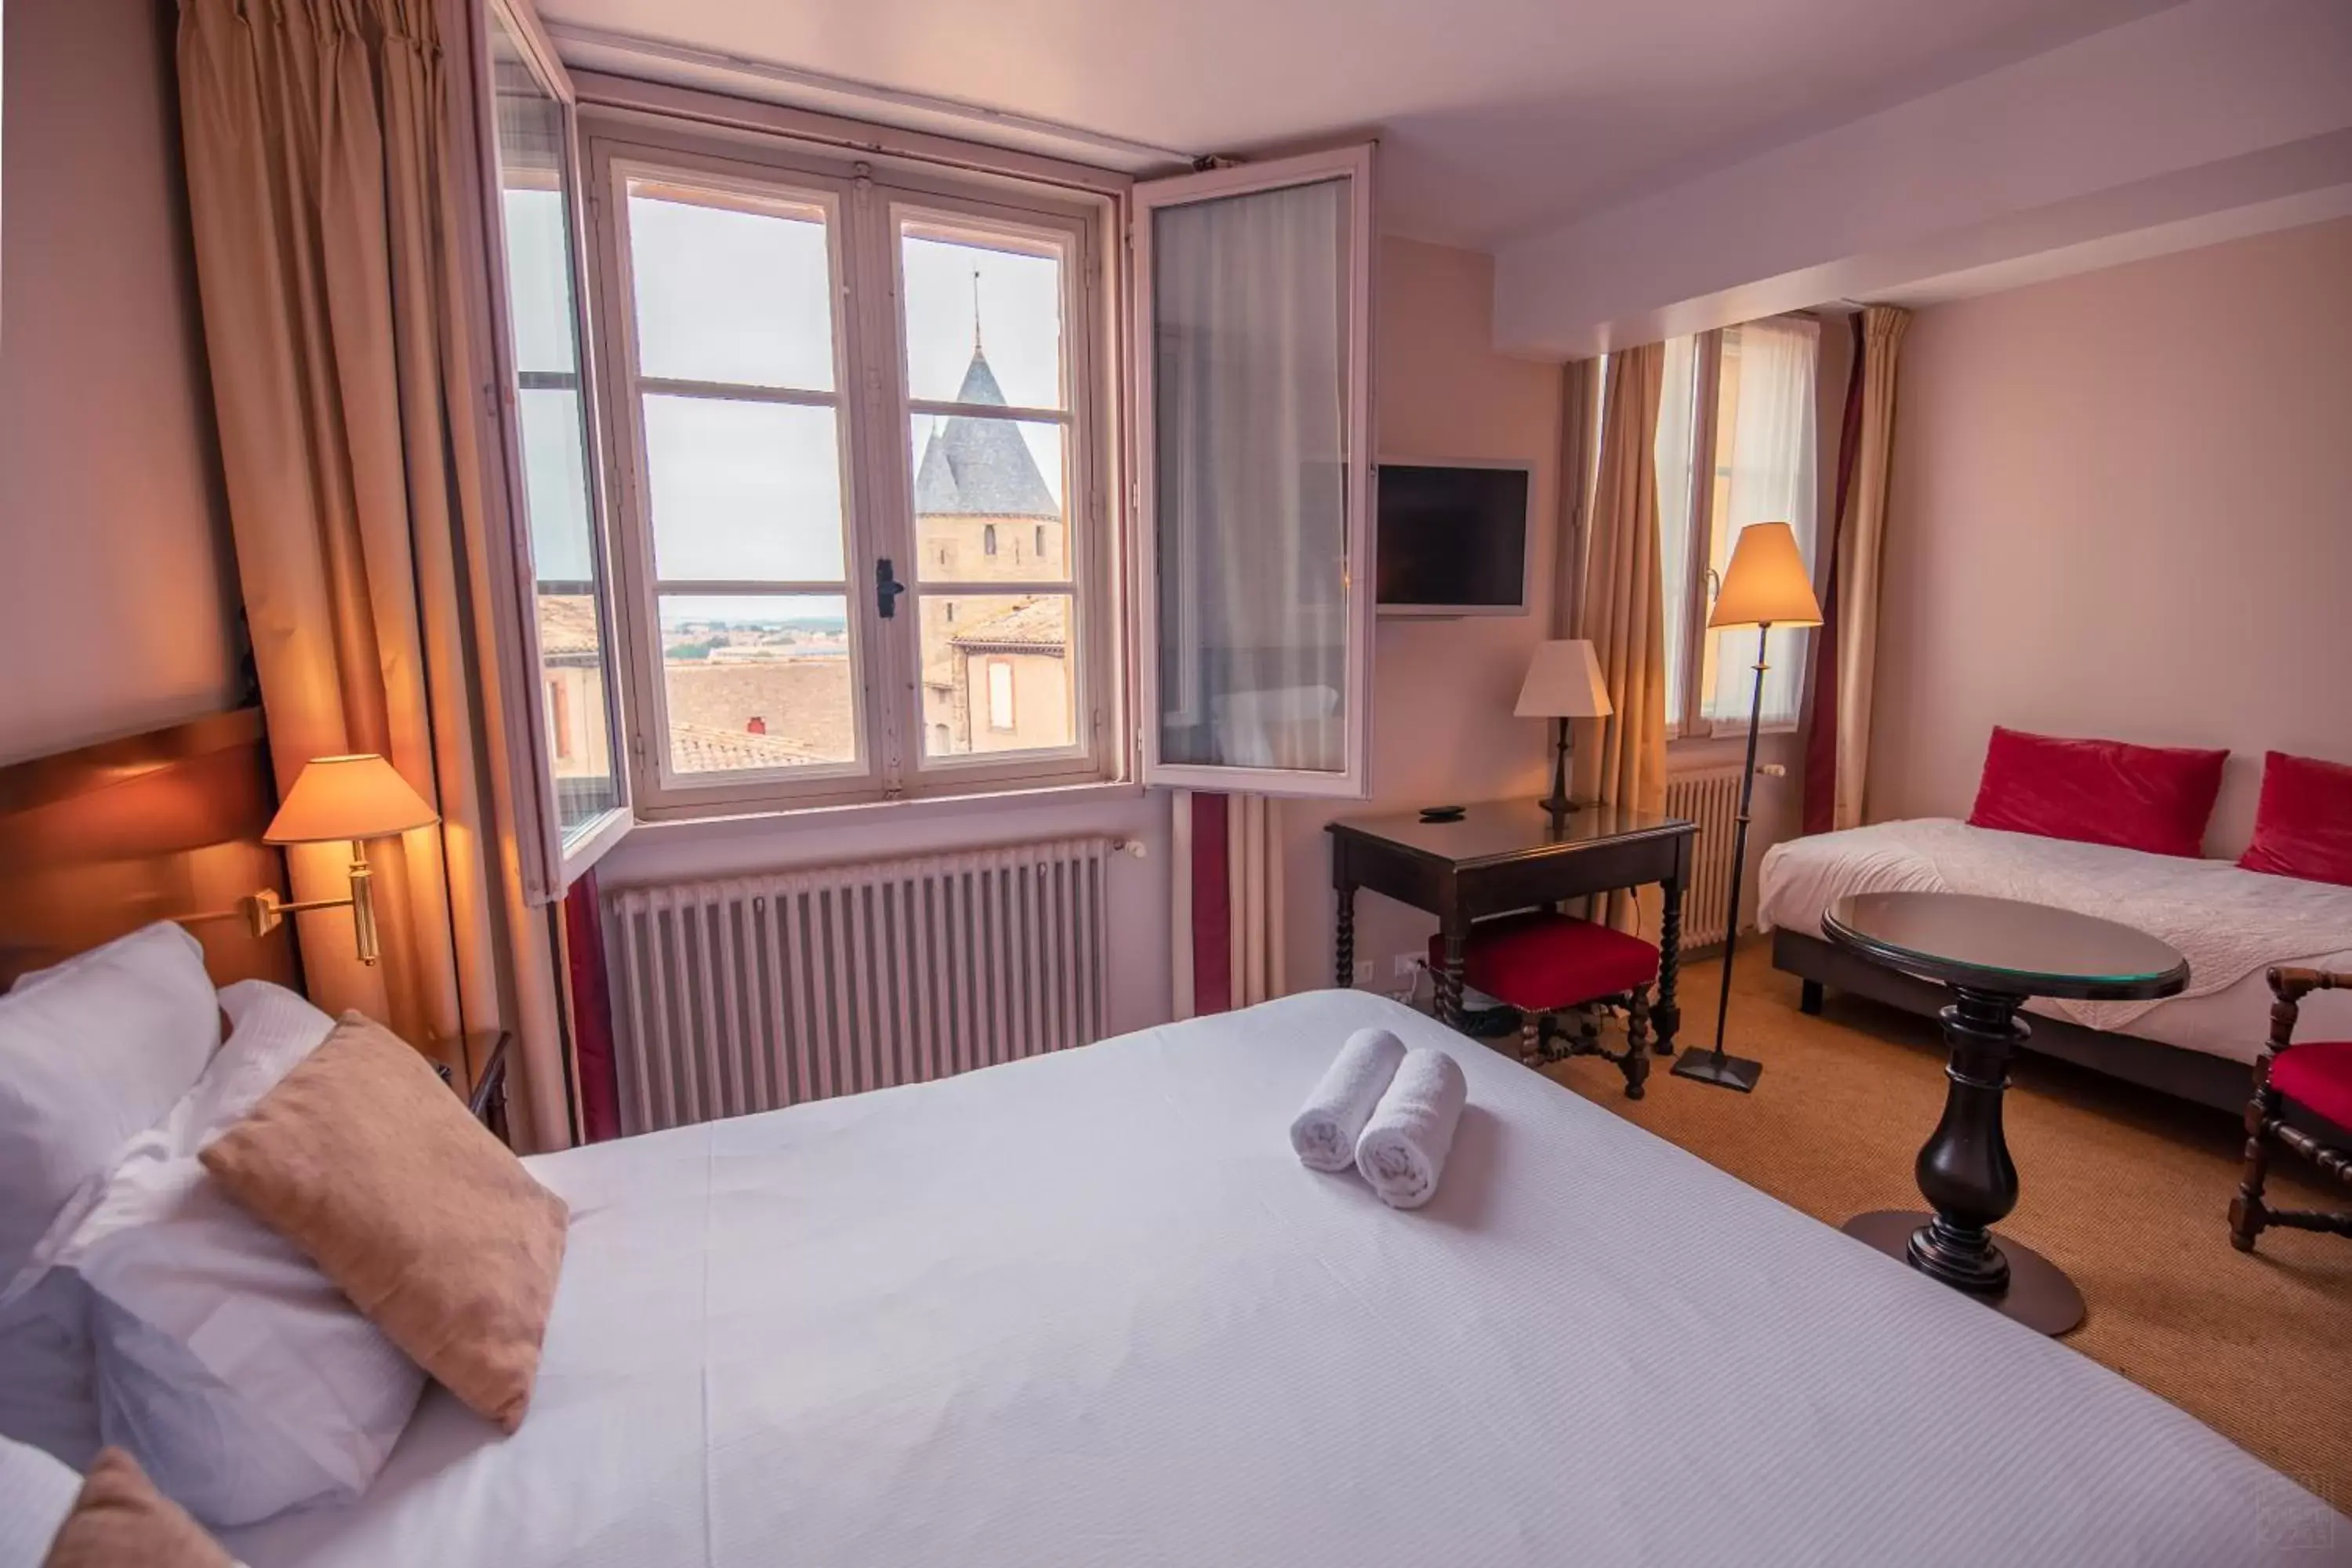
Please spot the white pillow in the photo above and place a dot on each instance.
(241, 1380)
(37, 1493)
(47, 1393)
(93, 1051)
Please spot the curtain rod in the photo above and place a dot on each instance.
(640, 46)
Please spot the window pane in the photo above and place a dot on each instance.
(998, 674)
(1764, 472)
(757, 682)
(554, 438)
(1674, 454)
(538, 250)
(983, 316)
(731, 287)
(988, 500)
(744, 491)
(1250, 317)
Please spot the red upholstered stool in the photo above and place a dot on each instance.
(2310, 1077)
(2317, 1074)
(1543, 963)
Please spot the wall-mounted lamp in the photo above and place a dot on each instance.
(354, 798)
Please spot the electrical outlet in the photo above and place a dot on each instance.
(1363, 971)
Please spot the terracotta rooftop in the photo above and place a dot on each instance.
(567, 625)
(700, 748)
(1040, 623)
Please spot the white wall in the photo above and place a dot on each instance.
(116, 606)
(1441, 727)
(2122, 507)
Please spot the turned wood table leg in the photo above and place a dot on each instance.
(1964, 1168)
(1343, 931)
(1967, 1175)
(1667, 1015)
(1449, 977)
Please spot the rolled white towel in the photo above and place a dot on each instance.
(1401, 1151)
(1325, 1129)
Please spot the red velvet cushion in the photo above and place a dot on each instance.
(2155, 798)
(1541, 961)
(2304, 826)
(2318, 1075)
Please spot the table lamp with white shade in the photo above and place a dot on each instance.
(1563, 683)
(1766, 585)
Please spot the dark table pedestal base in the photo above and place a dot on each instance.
(2039, 1294)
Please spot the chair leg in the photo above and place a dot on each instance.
(2247, 1214)
(1637, 1043)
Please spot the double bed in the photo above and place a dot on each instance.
(1089, 1308)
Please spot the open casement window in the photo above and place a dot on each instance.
(1253, 474)
(565, 729)
(855, 417)
(1736, 444)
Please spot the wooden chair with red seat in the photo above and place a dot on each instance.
(1545, 964)
(2314, 1077)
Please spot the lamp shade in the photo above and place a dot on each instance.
(1767, 582)
(348, 797)
(1563, 683)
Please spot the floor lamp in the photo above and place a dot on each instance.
(1765, 585)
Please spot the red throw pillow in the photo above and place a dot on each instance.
(2304, 826)
(2155, 798)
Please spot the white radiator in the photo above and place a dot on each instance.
(1711, 799)
(745, 994)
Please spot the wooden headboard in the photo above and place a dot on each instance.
(102, 840)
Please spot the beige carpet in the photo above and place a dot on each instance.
(2127, 1191)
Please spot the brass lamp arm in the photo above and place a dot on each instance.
(263, 912)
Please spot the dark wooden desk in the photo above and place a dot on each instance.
(1507, 855)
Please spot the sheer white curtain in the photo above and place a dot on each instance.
(1250, 371)
(1767, 398)
(1673, 452)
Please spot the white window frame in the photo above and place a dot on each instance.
(1700, 586)
(550, 862)
(878, 489)
(1354, 165)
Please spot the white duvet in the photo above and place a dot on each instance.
(1089, 1308)
(2230, 924)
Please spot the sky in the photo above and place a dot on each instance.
(745, 489)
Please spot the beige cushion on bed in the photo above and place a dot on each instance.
(363, 1158)
(120, 1521)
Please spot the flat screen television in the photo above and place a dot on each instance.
(1453, 538)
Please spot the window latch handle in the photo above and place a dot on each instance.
(887, 589)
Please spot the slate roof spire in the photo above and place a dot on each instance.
(977, 467)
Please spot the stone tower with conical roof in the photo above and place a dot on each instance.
(983, 511)
(995, 671)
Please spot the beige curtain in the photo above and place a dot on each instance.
(1579, 387)
(1622, 760)
(1861, 538)
(322, 197)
